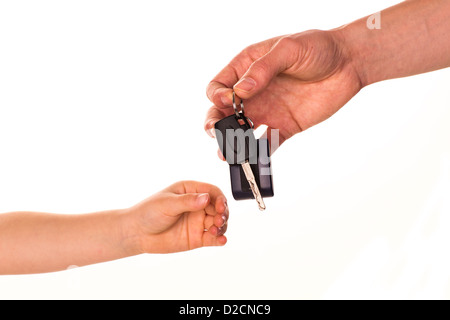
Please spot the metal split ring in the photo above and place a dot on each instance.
(235, 108)
(241, 114)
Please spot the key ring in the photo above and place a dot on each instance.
(241, 114)
(235, 108)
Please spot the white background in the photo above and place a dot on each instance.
(102, 104)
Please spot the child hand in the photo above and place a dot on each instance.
(184, 216)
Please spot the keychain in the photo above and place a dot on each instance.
(248, 157)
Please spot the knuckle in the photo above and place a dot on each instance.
(287, 42)
(213, 94)
(211, 90)
(247, 50)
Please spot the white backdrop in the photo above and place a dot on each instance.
(102, 104)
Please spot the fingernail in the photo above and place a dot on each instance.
(202, 199)
(225, 100)
(245, 84)
(211, 132)
(224, 218)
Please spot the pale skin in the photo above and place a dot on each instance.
(296, 81)
(185, 216)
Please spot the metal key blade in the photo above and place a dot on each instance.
(251, 180)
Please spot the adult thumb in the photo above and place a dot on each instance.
(263, 70)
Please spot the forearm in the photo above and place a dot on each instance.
(33, 242)
(414, 37)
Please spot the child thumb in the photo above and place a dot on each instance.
(189, 202)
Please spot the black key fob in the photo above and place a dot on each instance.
(263, 175)
(240, 148)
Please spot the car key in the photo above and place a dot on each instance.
(253, 185)
(239, 147)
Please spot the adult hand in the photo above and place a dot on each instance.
(289, 83)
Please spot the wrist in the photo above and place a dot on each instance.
(350, 39)
(129, 232)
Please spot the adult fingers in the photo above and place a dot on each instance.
(261, 72)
